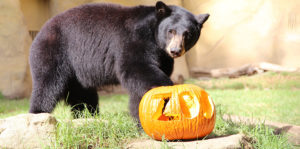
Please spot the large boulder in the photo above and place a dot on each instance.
(14, 45)
(27, 131)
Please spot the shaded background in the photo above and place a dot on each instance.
(237, 33)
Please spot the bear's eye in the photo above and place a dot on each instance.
(172, 31)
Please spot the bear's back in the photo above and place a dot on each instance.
(90, 37)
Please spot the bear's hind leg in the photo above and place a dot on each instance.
(79, 98)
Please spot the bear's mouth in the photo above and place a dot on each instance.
(175, 55)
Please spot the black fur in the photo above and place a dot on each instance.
(100, 44)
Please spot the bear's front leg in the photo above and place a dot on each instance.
(138, 78)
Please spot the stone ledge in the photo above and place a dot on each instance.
(232, 141)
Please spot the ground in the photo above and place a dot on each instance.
(268, 96)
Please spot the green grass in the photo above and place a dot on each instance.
(113, 130)
(279, 105)
(12, 107)
(117, 128)
(269, 96)
(260, 136)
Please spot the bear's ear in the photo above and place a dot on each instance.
(202, 18)
(162, 10)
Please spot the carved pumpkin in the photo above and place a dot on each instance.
(177, 112)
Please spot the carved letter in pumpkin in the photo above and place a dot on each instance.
(177, 112)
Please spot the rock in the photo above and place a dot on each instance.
(232, 142)
(27, 131)
(292, 130)
(15, 80)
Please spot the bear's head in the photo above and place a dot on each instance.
(178, 29)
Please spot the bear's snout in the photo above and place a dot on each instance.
(175, 48)
(175, 52)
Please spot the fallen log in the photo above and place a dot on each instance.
(248, 69)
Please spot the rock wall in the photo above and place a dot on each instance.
(240, 32)
(36, 13)
(14, 45)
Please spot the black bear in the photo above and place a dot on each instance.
(93, 45)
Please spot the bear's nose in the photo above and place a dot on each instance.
(176, 51)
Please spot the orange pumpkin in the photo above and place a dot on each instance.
(177, 112)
